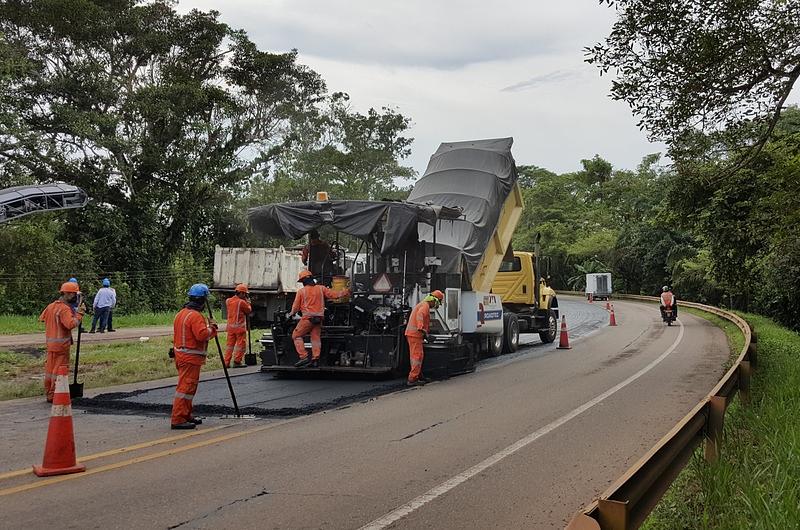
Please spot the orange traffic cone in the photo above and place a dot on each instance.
(612, 320)
(563, 341)
(59, 449)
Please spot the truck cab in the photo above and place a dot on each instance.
(525, 293)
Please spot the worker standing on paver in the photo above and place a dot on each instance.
(417, 330)
(59, 319)
(191, 333)
(310, 300)
(238, 307)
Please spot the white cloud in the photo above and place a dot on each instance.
(461, 70)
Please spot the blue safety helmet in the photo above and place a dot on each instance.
(199, 290)
(106, 282)
(73, 280)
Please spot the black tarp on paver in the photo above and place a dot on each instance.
(475, 176)
(358, 218)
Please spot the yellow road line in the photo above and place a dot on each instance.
(144, 458)
(127, 449)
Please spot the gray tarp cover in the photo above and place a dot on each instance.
(358, 218)
(476, 176)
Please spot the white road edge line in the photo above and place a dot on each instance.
(444, 487)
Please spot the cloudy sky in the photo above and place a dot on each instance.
(461, 69)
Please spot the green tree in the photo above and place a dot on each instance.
(715, 66)
(163, 118)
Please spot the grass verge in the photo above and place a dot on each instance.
(16, 324)
(756, 483)
(106, 364)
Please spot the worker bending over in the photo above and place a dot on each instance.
(310, 301)
(417, 330)
(239, 308)
(59, 318)
(191, 333)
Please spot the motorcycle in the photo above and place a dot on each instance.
(668, 315)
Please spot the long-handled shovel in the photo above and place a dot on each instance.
(249, 357)
(76, 388)
(224, 368)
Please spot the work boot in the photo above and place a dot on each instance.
(91, 331)
(196, 421)
(314, 363)
(183, 426)
(112, 330)
(302, 362)
(101, 331)
(418, 382)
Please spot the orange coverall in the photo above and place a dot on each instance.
(59, 320)
(191, 333)
(238, 309)
(310, 300)
(418, 322)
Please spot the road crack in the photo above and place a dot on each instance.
(429, 427)
(255, 496)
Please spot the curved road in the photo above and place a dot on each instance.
(523, 442)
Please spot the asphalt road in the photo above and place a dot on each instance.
(523, 442)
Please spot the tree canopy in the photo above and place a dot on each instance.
(714, 67)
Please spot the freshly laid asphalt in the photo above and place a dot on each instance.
(262, 394)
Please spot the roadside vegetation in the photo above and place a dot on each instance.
(14, 324)
(101, 365)
(755, 484)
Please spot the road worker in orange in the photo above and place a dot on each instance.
(191, 333)
(59, 319)
(310, 301)
(419, 323)
(238, 307)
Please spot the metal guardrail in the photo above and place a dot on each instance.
(628, 502)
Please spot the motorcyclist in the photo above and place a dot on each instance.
(668, 301)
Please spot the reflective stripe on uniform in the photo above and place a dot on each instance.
(181, 395)
(59, 340)
(416, 363)
(49, 377)
(312, 314)
(192, 351)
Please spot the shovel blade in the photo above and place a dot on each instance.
(75, 390)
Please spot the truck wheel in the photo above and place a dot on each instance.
(510, 333)
(549, 335)
(495, 345)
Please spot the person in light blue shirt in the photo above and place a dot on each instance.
(104, 301)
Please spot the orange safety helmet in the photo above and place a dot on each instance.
(69, 287)
(242, 288)
(438, 294)
(303, 275)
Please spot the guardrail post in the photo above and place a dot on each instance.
(752, 354)
(716, 416)
(613, 515)
(744, 382)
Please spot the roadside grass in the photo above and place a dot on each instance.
(106, 364)
(756, 483)
(15, 324)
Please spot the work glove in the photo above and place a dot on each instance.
(429, 339)
(212, 323)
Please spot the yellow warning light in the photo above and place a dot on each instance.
(322, 196)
